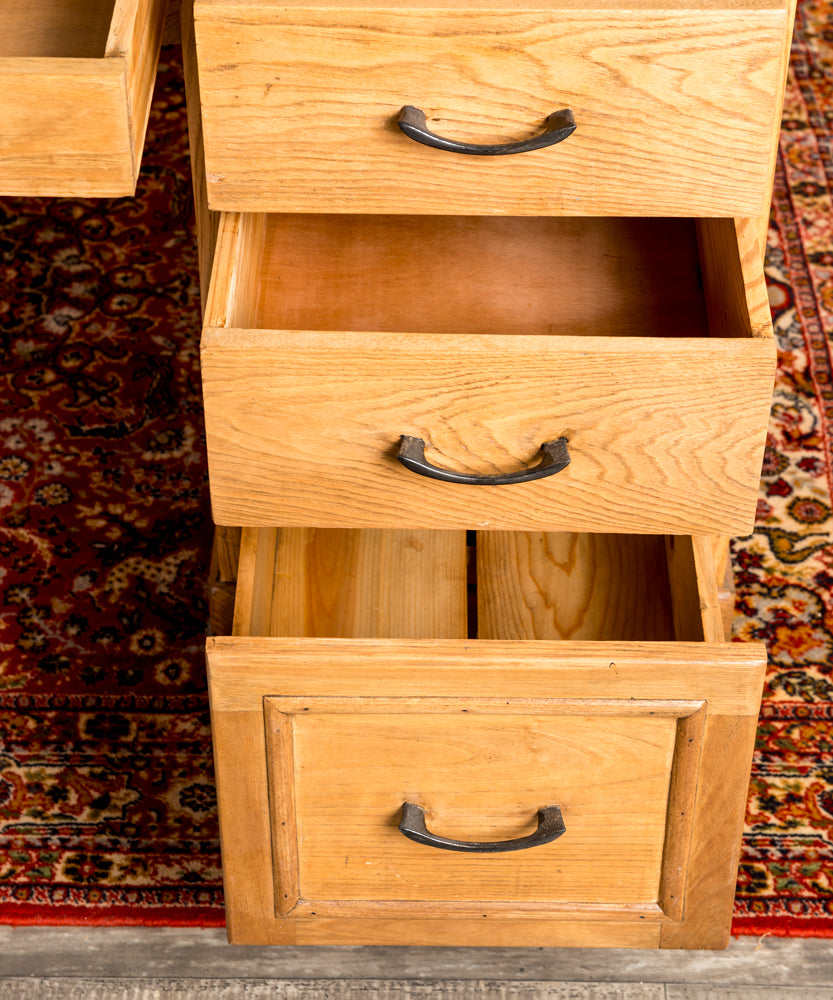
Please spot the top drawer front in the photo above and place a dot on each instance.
(76, 81)
(676, 110)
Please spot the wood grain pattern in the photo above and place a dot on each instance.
(74, 112)
(255, 573)
(227, 550)
(222, 580)
(136, 39)
(371, 583)
(722, 557)
(675, 108)
(337, 765)
(723, 785)
(179, 25)
(727, 675)
(207, 222)
(664, 436)
(245, 830)
(726, 593)
(561, 585)
(693, 582)
(679, 819)
(572, 931)
(270, 560)
(236, 283)
(761, 223)
(334, 583)
(479, 777)
(57, 28)
(567, 586)
(374, 715)
(666, 432)
(172, 32)
(617, 277)
(733, 283)
(280, 756)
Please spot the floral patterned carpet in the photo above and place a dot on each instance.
(107, 808)
(784, 571)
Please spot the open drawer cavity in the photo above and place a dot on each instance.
(641, 347)
(570, 770)
(76, 81)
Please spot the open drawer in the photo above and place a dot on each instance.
(76, 81)
(645, 344)
(587, 687)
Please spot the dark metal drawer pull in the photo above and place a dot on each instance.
(557, 127)
(550, 827)
(554, 458)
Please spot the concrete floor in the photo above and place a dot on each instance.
(42, 963)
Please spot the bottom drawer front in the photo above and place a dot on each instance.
(639, 726)
(481, 771)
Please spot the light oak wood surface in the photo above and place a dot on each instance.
(354, 726)
(400, 667)
(60, 28)
(608, 586)
(702, 844)
(76, 80)
(207, 222)
(317, 356)
(676, 108)
(592, 665)
(480, 775)
(723, 787)
(340, 584)
(226, 548)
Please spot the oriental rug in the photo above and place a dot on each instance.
(107, 806)
(784, 571)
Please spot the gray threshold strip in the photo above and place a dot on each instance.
(153, 955)
(357, 989)
(371, 989)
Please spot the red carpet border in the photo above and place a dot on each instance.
(107, 806)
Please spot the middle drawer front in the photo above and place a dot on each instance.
(646, 344)
(676, 107)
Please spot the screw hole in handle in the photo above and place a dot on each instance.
(554, 458)
(550, 827)
(557, 127)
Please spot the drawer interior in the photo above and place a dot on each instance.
(72, 29)
(341, 583)
(612, 277)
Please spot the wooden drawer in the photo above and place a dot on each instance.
(677, 108)
(76, 80)
(646, 343)
(598, 684)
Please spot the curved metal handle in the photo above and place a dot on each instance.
(550, 827)
(557, 127)
(554, 458)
